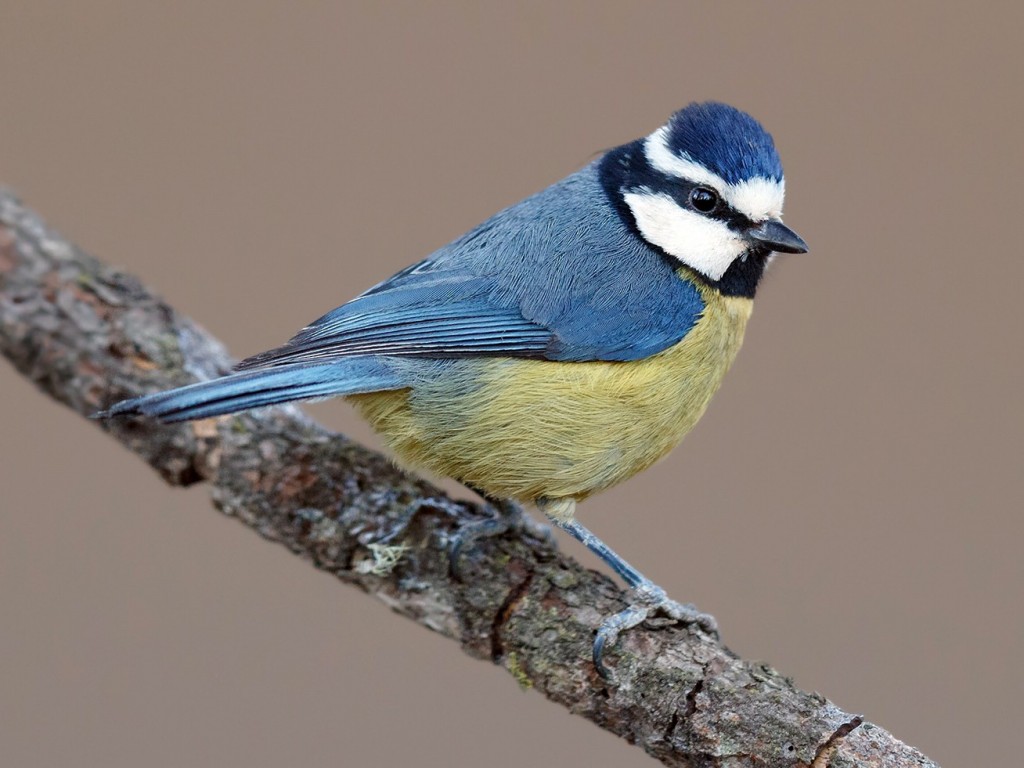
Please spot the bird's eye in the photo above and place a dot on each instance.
(704, 199)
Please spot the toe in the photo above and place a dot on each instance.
(650, 602)
(608, 633)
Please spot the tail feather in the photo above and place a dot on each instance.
(255, 389)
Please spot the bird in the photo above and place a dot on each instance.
(562, 346)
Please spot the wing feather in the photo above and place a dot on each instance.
(556, 277)
(408, 320)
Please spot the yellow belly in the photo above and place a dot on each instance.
(527, 429)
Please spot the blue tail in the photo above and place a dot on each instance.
(254, 389)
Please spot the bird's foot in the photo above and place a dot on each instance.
(535, 529)
(508, 516)
(649, 600)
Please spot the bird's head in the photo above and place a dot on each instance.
(706, 189)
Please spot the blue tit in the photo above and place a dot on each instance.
(565, 344)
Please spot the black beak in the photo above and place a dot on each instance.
(776, 236)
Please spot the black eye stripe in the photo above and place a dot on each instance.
(681, 190)
(626, 170)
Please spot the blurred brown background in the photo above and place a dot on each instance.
(850, 507)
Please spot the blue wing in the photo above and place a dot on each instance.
(556, 277)
(418, 312)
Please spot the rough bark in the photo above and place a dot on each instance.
(89, 335)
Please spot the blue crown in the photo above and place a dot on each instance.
(724, 140)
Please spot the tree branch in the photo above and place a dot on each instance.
(89, 335)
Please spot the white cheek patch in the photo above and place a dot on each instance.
(757, 199)
(704, 244)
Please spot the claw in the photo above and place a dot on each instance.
(508, 515)
(537, 530)
(401, 527)
(650, 600)
(471, 533)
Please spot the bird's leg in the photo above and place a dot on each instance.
(648, 598)
(509, 515)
